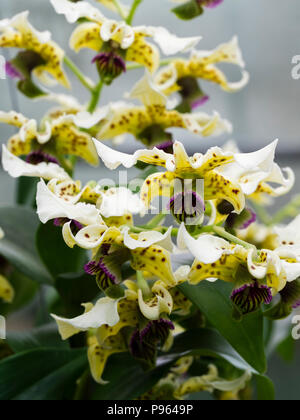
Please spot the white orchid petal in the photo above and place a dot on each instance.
(118, 202)
(50, 207)
(17, 167)
(147, 239)
(169, 43)
(207, 248)
(105, 312)
(75, 11)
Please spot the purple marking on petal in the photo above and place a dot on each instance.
(186, 205)
(249, 296)
(251, 220)
(199, 102)
(296, 305)
(60, 221)
(12, 72)
(167, 146)
(38, 156)
(210, 3)
(110, 63)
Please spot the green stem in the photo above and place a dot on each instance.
(81, 77)
(262, 213)
(95, 97)
(133, 9)
(80, 393)
(143, 285)
(289, 211)
(156, 221)
(119, 9)
(231, 238)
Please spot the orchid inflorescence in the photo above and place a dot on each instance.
(210, 197)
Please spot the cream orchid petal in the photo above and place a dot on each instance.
(17, 167)
(118, 202)
(147, 239)
(50, 207)
(87, 120)
(207, 248)
(292, 270)
(75, 11)
(289, 234)
(91, 237)
(147, 92)
(105, 312)
(170, 44)
(161, 303)
(113, 159)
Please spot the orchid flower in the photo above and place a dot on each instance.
(148, 123)
(118, 41)
(180, 167)
(257, 275)
(213, 382)
(38, 53)
(181, 75)
(7, 293)
(55, 139)
(258, 174)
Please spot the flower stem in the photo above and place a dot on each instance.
(133, 9)
(83, 79)
(119, 9)
(231, 238)
(143, 285)
(95, 97)
(156, 221)
(291, 210)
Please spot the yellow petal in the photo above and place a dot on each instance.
(143, 53)
(86, 35)
(70, 140)
(155, 260)
(98, 355)
(6, 290)
(157, 185)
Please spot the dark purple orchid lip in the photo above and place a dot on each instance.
(106, 58)
(75, 225)
(177, 204)
(199, 102)
(161, 323)
(249, 297)
(38, 156)
(210, 3)
(12, 72)
(166, 146)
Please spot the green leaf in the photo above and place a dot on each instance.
(54, 252)
(46, 336)
(189, 10)
(18, 246)
(74, 290)
(26, 191)
(41, 374)
(246, 336)
(209, 343)
(265, 388)
(287, 349)
(127, 379)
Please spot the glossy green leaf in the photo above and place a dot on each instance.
(207, 342)
(46, 336)
(41, 374)
(265, 388)
(26, 191)
(246, 336)
(127, 379)
(54, 252)
(18, 246)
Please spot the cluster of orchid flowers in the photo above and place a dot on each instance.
(133, 265)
